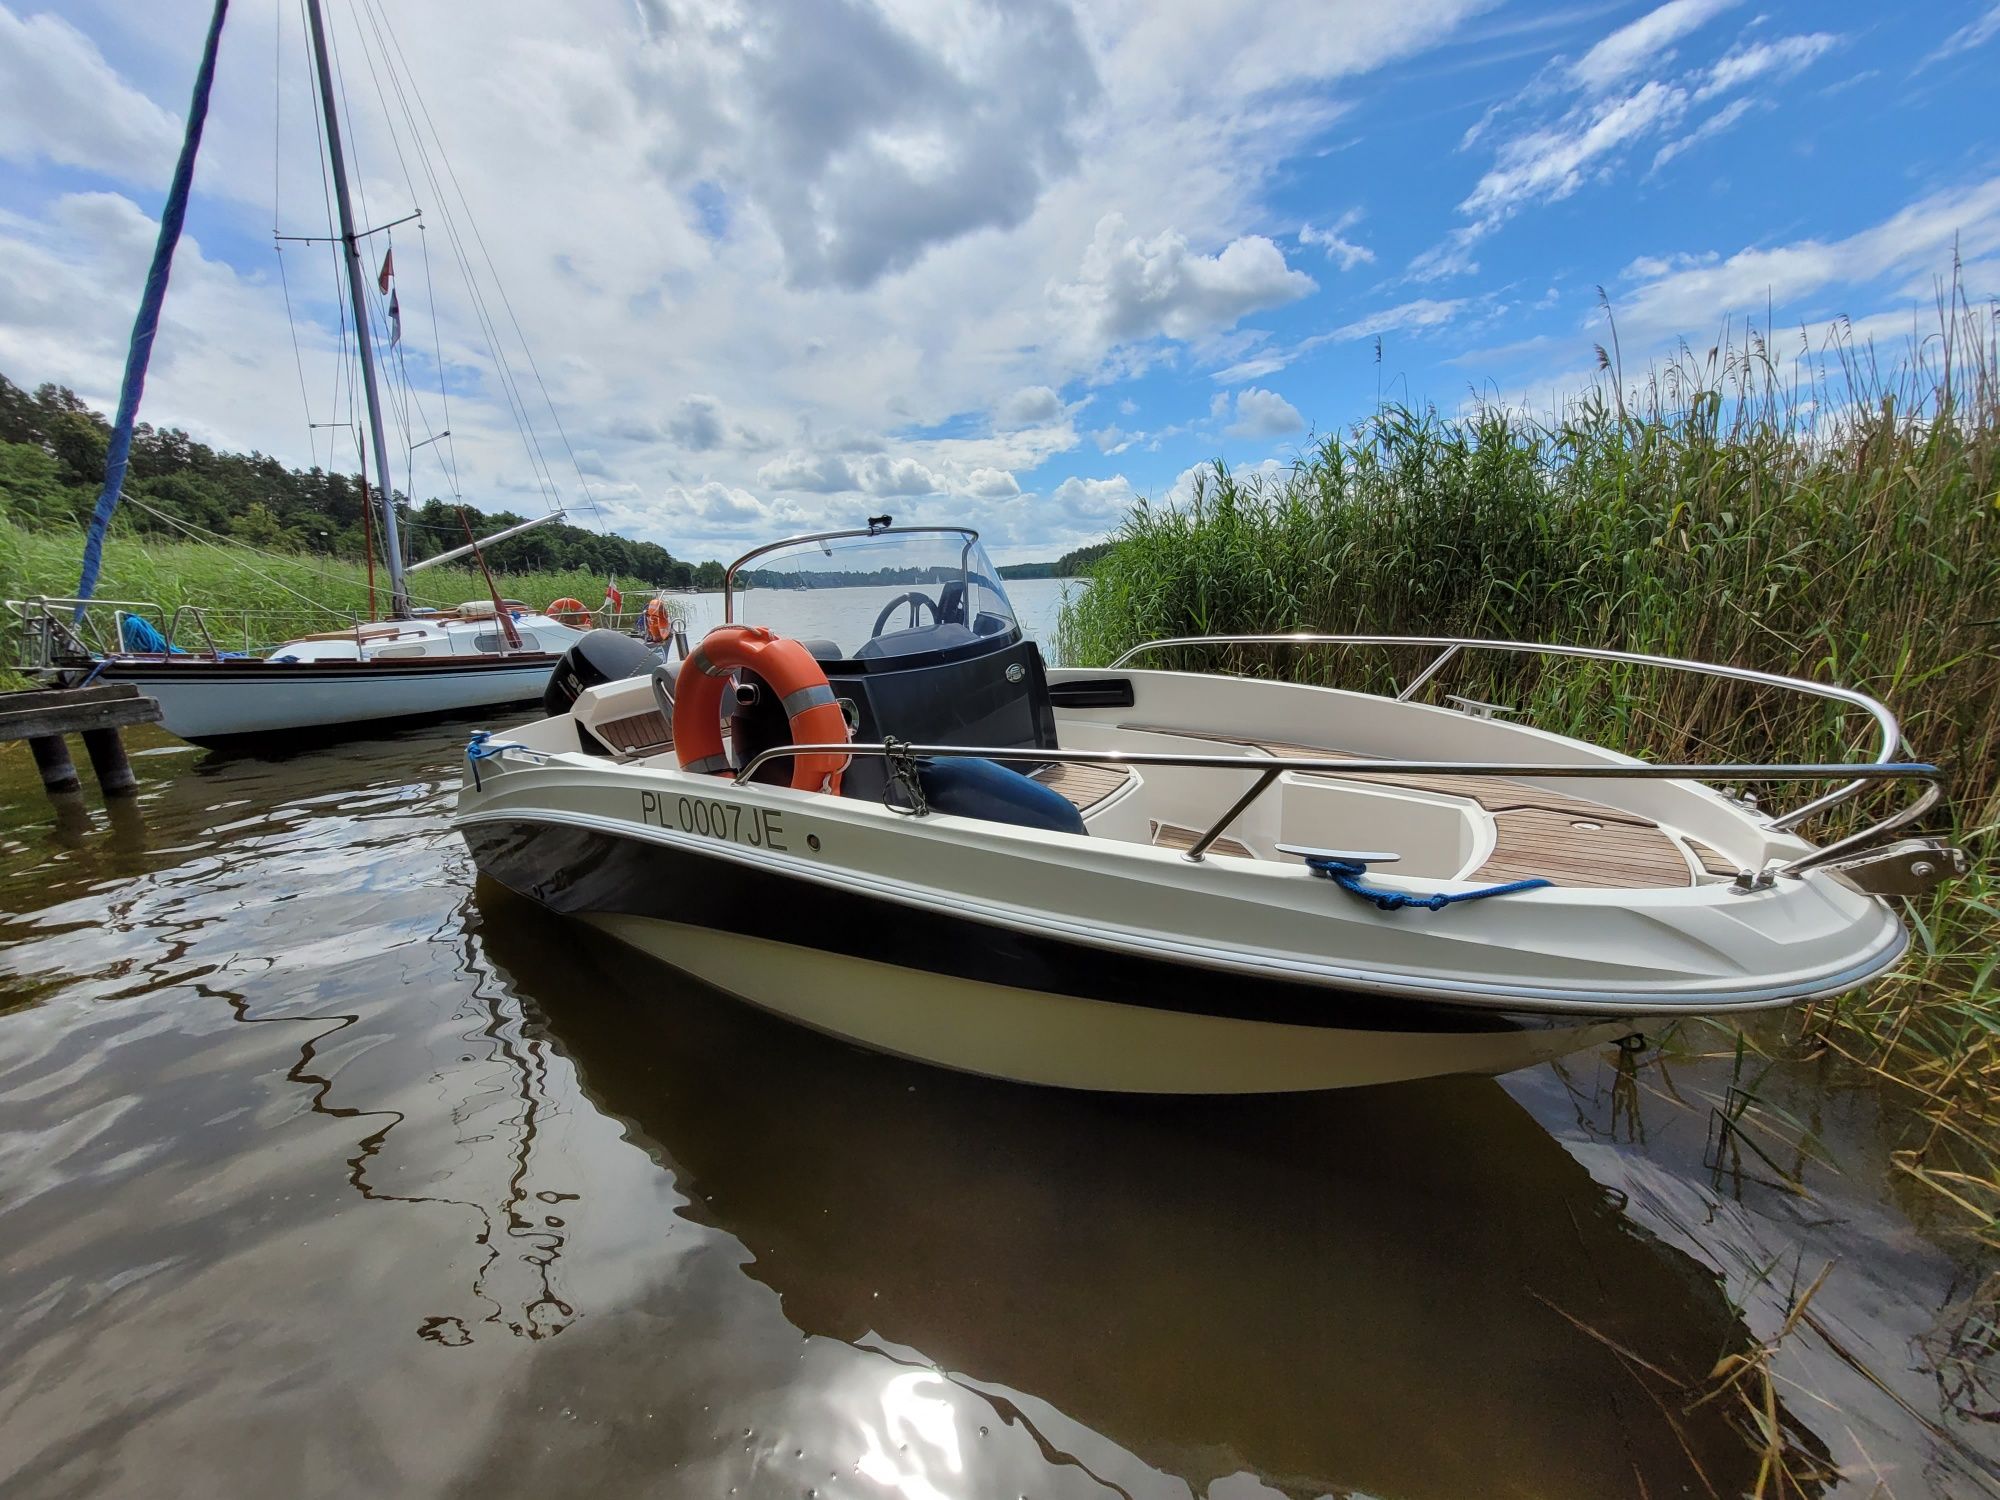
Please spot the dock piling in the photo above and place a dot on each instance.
(44, 716)
(59, 776)
(108, 762)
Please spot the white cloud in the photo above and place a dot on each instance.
(1423, 312)
(832, 474)
(794, 239)
(865, 136)
(1131, 289)
(60, 101)
(1549, 163)
(1093, 502)
(1695, 297)
(1975, 33)
(1708, 129)
(1334, 242)
(1633, 46)
(1783, 57)
(991, 484)
(1264, 414)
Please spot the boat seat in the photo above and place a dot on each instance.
(1565, 840)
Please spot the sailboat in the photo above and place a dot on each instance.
(417, 664)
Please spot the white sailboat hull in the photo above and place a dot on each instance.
(209, 702)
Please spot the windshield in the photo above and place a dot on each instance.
(894, 593)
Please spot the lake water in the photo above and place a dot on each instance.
(325, 1170)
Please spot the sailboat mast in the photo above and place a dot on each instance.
(392, 545)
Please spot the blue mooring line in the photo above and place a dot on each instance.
(1347, 874)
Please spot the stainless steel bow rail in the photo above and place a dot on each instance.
(1268, 769)
(54, 634)
(1451, 646)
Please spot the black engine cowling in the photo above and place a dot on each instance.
(601, 656)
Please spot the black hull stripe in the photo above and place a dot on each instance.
(580, 871)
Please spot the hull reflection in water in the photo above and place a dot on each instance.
(1407, 1292)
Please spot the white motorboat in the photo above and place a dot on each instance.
(915, 836)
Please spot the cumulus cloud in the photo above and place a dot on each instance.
(1131, 289)
(864, 137)
(1635, 45)
(1030, 406)
(1093, 502)
(60, 101)
(856, 225)
(991, 484)
(833, 474)
(697, 426)
(1264, 414)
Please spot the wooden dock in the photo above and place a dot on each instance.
(44, 717)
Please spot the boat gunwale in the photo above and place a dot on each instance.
(1652, 1002)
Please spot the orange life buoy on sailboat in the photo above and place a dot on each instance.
(659, 623)
(789, 670)
(568, 612)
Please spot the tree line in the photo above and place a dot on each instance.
(52, 457)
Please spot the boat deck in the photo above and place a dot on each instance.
(1564, 839)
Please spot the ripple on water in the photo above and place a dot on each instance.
(322, 1170)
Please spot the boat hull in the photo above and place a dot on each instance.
(935, 985)
(229, 703)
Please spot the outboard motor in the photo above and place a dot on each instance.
(601, 656)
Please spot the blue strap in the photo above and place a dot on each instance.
(1347, 874)
(482, 746)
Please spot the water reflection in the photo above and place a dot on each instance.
(1413, 1291)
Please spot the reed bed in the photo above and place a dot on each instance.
(1818, 512)
(254, 598)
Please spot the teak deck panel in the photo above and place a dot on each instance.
(1173, 836)
(636, 734)
(1562, 838)
(1084, 785)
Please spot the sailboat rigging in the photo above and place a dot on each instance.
(419, 662)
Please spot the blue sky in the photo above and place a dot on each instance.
(787, 265)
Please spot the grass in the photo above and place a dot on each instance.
(1818, 512)
(254, 598)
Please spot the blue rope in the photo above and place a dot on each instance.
(1347, 874)
(482, 746)
(148, 321)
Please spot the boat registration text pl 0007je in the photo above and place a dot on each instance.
(758, 827)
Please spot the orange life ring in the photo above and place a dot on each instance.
(568, 612)
(659, 623)
(788, 670)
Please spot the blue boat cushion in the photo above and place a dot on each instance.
(976, 788)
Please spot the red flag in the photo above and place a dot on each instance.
(395, 321)
(388, 270)
(614, 600)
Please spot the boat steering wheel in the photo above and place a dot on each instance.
(916, 599)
